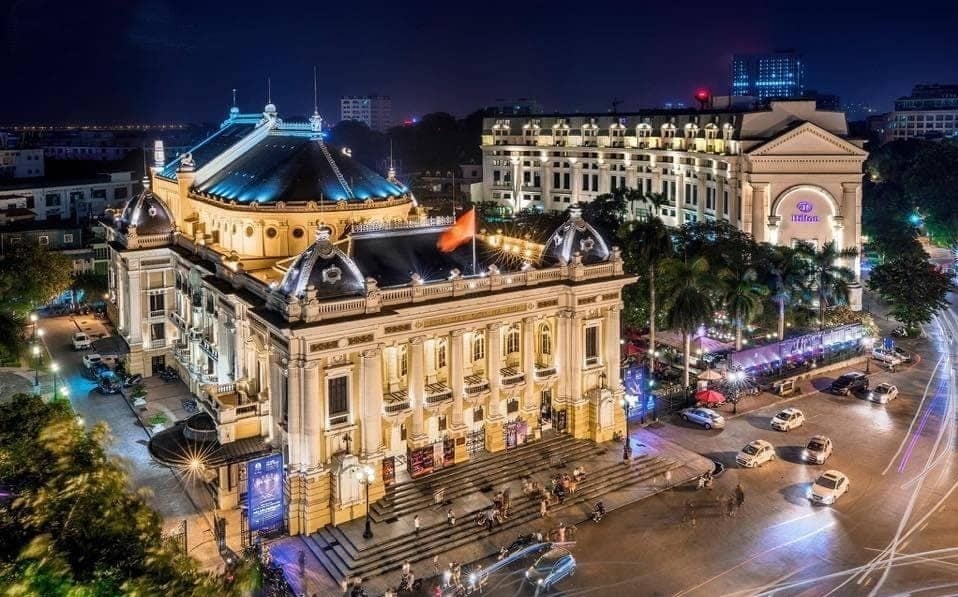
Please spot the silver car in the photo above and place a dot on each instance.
(550, 568)
(883, 393)
(706, 417)
(818, 449)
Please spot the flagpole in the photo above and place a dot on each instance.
(473, 252)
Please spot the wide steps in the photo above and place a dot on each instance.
(470, 480)
(343, 558)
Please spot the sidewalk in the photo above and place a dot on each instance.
(691, 466)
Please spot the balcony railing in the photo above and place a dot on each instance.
(177, 320)
(157, 313)
(396, 402)
(209, 349)
(511, 376)
(437, 392)
(476, 384)
(543, 371)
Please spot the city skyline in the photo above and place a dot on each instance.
(148, 56)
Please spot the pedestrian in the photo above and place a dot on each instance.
(451, 517)
(739, 496)
(689, 512)
(405, 567)
(543, 508)
(730, 506)
(415, 524)
(344, 585)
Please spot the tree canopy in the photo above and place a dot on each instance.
(74, 527)
(31, 276)
(912, 287)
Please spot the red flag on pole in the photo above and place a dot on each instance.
(459, 233)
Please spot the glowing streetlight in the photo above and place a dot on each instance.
(366, 476)
(54, 367)
(36, 364)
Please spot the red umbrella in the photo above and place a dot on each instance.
(709, 397)
(632, 349)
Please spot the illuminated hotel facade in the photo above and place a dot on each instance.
(783, 173)
(303, 300)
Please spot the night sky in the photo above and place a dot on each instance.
(112, 61)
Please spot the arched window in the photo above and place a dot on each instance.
(668, 130)
(644, 130)
(441, 354)
(403, 361)
(691, 131)
(512, 339)
(478, 346)
(545, 339)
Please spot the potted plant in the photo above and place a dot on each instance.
(157, 422)
(138, 395)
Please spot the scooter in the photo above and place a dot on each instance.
(132, 380)
(598, 513)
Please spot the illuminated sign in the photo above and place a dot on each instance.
(264, 496)
(805, 216)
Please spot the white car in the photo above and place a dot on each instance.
(830, 486)
(883, 393)
(788, 419)
(886, 356)
(91, 360)
(902, 354)
(817, 450)
(81, 341)
(755, 454)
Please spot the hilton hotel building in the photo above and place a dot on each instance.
(784, 173)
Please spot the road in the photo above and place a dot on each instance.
(895, 531)
(129, 439)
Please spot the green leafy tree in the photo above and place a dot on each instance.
(912, 287)
(742, 298)
(31, 276)
(830, 278)
(645, 246)
(606, 213)
(74, 527)
(90, 286)
(688, 287)
(788, 273)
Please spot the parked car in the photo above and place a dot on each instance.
(706, 417)
(81, 341)
(883, 393)
(553, 566)
(902, 354)
(883, 355)
(755, 454)
(818, 449)
(788, 419)
(848, 383)
(89, 360)
(108, 382)
(830, 486)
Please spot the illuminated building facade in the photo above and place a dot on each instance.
(375, 110)
(930, 112)
(303, 300)
(783, 173)
(780, 75)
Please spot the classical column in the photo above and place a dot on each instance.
(312, 427)
(529, 362)
(372, 376)
(456, 376)
(576, 180)
(417, 389)
(494, 360)
(547, 183)
(577, 358)
(759, 210)
(563, 353)
(612, 347)
(604, 175)
(294, 400)
(701, 192)
(135, 312)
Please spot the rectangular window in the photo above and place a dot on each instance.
(595, 182)
(725, 202)
(44, 240)
(158, 331)
(555, 180)
(67, 239)
(477, 414)
(442, 422)
(119, 193)
(338, 393)
(592, 344)
(53, 199)
(156, 302)
(566, 181)
(585, 182)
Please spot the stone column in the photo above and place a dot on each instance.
(612, 335)
(851, 210)
(294, 427)
(576, 357)
(494, 417)
(759, 210)
(135, 310)
(529, 364)
(576, 181)
(699, 182)
(417, 388)
(457, 377)
(563, 356)
(547, 183)
(372, 380)
(312, 426)
(605, 183)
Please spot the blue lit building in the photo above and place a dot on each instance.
(767, 76)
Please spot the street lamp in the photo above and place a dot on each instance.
(33, 320)
(54, 367)
(366, 475)
(36, 365)
(627, 444)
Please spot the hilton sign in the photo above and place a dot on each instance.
(805, 215)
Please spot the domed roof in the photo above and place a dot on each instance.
(147, 212)
(576, 236)
(330, 271)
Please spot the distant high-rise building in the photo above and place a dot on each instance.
(522, 106)
(930, 112)
(767, 76)
(375, 110)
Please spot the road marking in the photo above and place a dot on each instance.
(756, 556)
(794, 519)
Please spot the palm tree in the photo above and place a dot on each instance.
(789, 272)
(743, 298)
(689, 287)
(650, 242)
(830, 278)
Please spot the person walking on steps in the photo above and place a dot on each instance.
(415, 524)
(739, 496)
(730, 506)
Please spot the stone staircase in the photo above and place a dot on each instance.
(342, 557)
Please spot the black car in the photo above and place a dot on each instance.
(108, 382)
(853, 381)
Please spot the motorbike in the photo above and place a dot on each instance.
(523, 540)
(405, 587)
(131, 380)
(169, 374)
(598, 513)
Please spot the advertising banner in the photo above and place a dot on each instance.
(265, 494)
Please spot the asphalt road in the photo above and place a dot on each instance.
(128, 438)
(895, 532)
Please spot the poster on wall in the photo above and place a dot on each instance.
(389, 471)
(264, 498)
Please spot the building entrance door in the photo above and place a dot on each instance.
(157, 365)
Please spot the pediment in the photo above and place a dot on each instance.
(807, 139)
